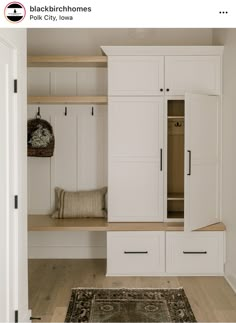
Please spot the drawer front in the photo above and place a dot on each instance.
(195, 252)
(135, 253)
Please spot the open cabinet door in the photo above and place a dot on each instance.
(202, 161)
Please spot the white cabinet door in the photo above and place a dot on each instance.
(199, 74)
(136, 75)
(202, 160)
(135, 176)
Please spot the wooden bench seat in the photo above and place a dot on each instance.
(46, 223)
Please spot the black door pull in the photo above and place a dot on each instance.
(189, 162)
(135, 252)
(195, 252)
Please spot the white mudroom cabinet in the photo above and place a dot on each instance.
(155, 141)
(164, 158)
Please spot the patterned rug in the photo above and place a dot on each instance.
(129, 305)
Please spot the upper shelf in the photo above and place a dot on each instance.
(67, 99)
(67, 61)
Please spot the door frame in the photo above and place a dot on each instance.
(8, 174)
(15, 40)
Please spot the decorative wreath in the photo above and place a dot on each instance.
(40, 138)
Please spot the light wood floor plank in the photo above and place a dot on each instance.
(51, 281)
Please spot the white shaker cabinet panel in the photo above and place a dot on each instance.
(135, 126)
(135, 75)
(199, 74)
(202, 160)
(135, 193)
(135, 175)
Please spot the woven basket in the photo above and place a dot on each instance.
(40, 139)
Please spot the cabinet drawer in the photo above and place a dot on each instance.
(136, 75)
(195, 252)
(135, 253)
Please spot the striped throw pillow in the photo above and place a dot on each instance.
(80, 204)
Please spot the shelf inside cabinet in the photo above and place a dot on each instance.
(175, 215)
(67, 100)
(67, 61)
(175, 196)
(176, 117)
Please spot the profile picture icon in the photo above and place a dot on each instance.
(15, 12)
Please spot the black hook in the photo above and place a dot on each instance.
(65, 111)
(92, 111)
(178, 124)
(38, 115)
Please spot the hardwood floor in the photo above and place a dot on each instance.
(50, 283)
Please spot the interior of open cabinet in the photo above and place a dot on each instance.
(175, 159)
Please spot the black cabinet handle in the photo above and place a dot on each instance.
(189, 162)
(167, 90)
(161, 159)
(195, 252)
(161, 90)
(135, 252)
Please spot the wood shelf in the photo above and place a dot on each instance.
(175, 197)
(67, 61)
(176, 117)
(67, 100)
(175, 215)
(46, 223)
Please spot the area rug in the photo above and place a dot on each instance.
(129, 305)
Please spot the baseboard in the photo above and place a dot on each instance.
(231, 279)
(68, 252)
(165, 275)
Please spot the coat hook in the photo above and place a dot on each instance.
(65, 111)
(38, 115)
(92, 111)
(178, 124)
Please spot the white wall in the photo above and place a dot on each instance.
(17, 39)
(88, 41)
(227, 37)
